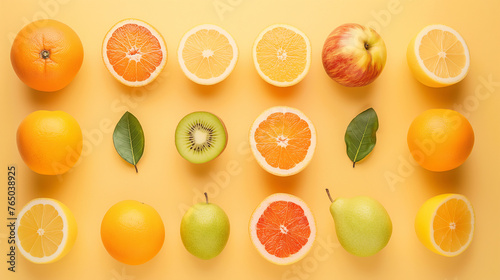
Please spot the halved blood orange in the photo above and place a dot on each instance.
(134, 52)
(282, 228)
(283, 140)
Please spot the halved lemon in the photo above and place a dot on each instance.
(45, 230)
(134, 52)
(438, 56)
(282, 55)
(445, 224)
(282, 228)
(207, 54)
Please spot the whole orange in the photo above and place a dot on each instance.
(132, 232)
(46, 55)
(50, 142)
(440, 139)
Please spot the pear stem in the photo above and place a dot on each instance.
(329, 196)
(206, 197)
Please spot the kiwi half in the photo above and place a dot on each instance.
(200, 137)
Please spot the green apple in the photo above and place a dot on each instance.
(362, 224)
(205, 230)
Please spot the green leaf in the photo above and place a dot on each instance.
(360, 136)
(128, 139)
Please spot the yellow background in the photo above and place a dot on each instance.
(171, 184)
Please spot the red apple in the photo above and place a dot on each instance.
(354, 55)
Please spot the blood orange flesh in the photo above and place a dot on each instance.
(282, 229)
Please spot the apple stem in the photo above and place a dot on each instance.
(206, 197)
(367, 46)
(329, 196)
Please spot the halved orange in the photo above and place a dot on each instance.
(134, 52)
(207, 54)
(438, 56)
(282, 55)
(445, 224)
(283, 140)
(282, 228)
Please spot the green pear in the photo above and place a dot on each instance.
(205, 230)
(362, 224)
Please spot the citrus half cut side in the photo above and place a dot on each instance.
(438, 56)
(283, 140)
(282, 229)
(207, 54)
(282, 55)
(134, 52)
(445, 224)
(45, 230)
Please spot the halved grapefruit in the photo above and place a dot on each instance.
(283, 140)
(282, 228)
(134, 52)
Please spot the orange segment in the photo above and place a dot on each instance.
(282, 55)
(282, 229)
(134, 52)
(283, 140)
